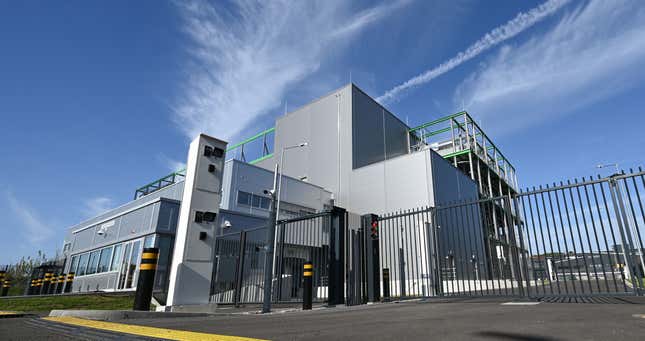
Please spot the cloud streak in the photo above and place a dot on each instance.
(246, 55)
(593, 53)
(33, 227)
(96, 206)
(517, 25)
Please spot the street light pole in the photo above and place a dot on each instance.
(304, 144)
(269, 261)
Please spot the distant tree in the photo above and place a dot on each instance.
(19, 273)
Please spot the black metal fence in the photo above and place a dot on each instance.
(576, 238)
(238, 275)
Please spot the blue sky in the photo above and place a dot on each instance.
(98, 98)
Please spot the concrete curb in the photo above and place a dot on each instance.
(116, 315)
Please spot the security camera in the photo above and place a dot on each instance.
(227, 224)
(101, 231)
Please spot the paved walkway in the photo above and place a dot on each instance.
(418, 320)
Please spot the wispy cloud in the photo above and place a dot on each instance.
(521, 22)
(170, 164)
(247, 54)
(366, 17)
(594, 52)
(34, 229)
(98, 205)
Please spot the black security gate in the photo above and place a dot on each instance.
(238, 273)
(580, 238)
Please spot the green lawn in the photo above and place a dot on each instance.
(97, 301)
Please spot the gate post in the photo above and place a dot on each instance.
(625, 234)
(369, 223)
(513, 251)
(337, 230)
(239, 273)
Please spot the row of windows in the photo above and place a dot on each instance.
(253, 200)
(101, 260)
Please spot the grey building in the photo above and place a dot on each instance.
(358, 156)
(104, 252)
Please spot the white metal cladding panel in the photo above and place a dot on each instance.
(399, 183)
(104, 281)
(319, 124)
(228, 196)
(238, 222)
(137, 222)
(255, 180)
(173, 191)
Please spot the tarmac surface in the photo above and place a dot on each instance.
(434, 319)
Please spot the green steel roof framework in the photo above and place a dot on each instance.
(420, 132)
(173, 177)
(481, 142)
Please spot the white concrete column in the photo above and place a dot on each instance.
(192, 261)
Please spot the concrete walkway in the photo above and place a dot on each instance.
(415, 320)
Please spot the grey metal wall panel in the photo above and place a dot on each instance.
(324, 124)
(238, 221)
(167, 218)
(377, 134)
(252, 179)
(173, 191)
(450, 184)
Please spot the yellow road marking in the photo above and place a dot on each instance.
(153, 332)
(10, 313)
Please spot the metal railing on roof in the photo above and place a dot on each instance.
(239, 154)
(459, 134)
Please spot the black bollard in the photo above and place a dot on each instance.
(146, 280)
(68, 282)
(5, 287)
(31, 287)
(53, 282)
(386, 284)
(36, 288)
(44, 290)
(307, 291)
(60, 283)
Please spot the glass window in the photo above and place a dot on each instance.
(256, 200)
(82, 264)
(265, 203)
(72, 268)
(117, 257)
(132, 266)
(93, 262)
(124, 265)
(244, 198)
(104, 260)
(149, 241)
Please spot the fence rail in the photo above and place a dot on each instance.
(579, 238)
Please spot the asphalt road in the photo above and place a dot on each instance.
(419, 320)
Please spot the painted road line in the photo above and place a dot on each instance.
(11, 314)
(161, 333)
(521, 303)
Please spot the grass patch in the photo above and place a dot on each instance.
(89, 302)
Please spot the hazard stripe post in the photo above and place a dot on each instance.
(5, 287)
(68, 282)
(307, 291)
(61, 283)
(146, 279)
(44, 290)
